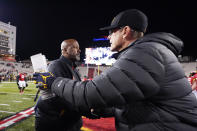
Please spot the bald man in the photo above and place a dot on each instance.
(54, 114)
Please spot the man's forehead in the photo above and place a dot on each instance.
(68, 44)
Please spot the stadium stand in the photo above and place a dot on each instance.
(91, 70)
(188, 67)
(8, 70)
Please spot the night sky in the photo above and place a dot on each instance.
(43, 25)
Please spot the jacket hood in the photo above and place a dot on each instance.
(167, 39)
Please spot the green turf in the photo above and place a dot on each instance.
(9, 94)
(14, 102)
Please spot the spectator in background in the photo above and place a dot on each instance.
(85, 78)
(146, 85)
(52, 113)
(194, 84)
(193, 81)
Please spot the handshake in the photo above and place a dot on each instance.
(43, 80)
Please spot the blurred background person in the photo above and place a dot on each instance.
(193, 81)
(21, 82)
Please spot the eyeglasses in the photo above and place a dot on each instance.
(114, 30)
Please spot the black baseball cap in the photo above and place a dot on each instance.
(133, 18)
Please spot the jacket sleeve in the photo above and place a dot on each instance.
(125, 82)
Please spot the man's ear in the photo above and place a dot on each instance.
(126, 31)
(64, 51)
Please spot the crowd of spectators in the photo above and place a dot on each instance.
(9, 70)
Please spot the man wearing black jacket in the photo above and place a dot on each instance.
(146, 85)
(52, 113)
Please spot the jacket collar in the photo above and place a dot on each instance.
(116, 55)
(67, 61)
(169, 40)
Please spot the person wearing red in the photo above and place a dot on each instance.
(193, 81)
(85, 78)
(21, 82)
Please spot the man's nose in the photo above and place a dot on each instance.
(79, 51)
(109, 37)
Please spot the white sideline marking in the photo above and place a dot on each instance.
(7, 82)
(4, 105)
(17, 87)
(15, 118)
(17, 93)
(7, 112)
(15, 82)
(26, 98)
(17, 101)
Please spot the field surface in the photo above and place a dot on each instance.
(12, 103)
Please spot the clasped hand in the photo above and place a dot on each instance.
(43, 80)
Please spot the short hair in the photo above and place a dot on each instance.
(63, 45)
(67, 41)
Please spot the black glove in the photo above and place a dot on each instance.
(43, 80)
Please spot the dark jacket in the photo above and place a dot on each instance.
(54, 113)
(146, 85)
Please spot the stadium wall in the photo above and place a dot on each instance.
(7, 41)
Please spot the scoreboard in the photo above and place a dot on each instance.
(99, 55)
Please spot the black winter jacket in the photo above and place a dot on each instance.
(54, 113)
(146, 85)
